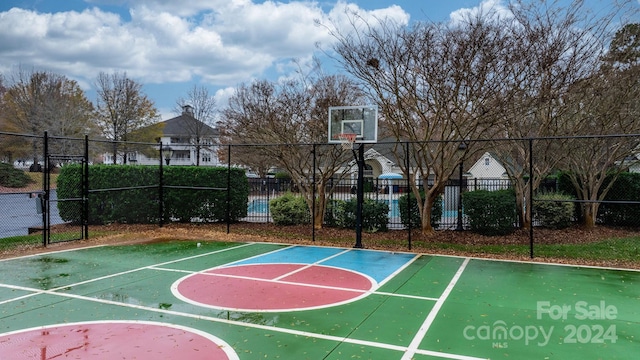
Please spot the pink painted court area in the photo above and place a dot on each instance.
(273, 287)
(112, 340)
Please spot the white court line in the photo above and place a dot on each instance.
(39, 291)
(405, 296)
(382, 293)
(399, 270)
(289, 246)
(51, 252)
(310, 265)
(276, 281)
(413, 347)
(404, 349)
(339, 339)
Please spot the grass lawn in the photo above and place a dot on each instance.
(620, 249)
(614, 251)
(37, 180)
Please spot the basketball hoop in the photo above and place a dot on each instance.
(347, 140)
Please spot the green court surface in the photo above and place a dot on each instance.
(417, 307)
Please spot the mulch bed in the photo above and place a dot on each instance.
(395, 240)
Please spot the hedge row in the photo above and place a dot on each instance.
(110, 201)
(490, 212)
(291, 209)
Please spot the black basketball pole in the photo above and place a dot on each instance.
(359, 196)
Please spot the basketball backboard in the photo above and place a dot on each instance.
(362, 121)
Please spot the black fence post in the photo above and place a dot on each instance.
(45, 189)
(85, 189)
(228, 217)
(359, 196)
(530, 205)
(409, 191)
(313, 200)
(160, 190)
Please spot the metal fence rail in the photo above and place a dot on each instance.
(264, 190)
(34, 210)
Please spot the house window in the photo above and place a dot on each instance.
(206, 157)
(486, 161)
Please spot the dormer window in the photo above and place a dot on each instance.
(486, 161)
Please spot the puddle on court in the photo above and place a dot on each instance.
(47, 266)
(47, 282)
(50, 260)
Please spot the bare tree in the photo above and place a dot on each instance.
(39, 100)
(604, 104)
(199, 118)
(495, 74)
(123, 110)
(552, 47)
(437, 85)
(288, 120)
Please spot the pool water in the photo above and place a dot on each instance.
(261, 206)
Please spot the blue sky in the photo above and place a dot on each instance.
(170, 45)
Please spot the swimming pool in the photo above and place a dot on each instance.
(258, 206)
(258, 210)
(261, 206)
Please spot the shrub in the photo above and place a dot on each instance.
(140, 205)
(330, 213)
(553, 210)
(205, 205)
(436, 211)
(374, 214)
(12, 177)
(289, 210)
(490, 212)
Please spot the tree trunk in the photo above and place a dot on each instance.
(522, 207)
(321, 201)
(425, 216)
(590, 212)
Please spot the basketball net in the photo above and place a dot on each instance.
(347, 140)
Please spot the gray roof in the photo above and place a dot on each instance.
(184, 125)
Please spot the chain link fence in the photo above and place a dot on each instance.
(598, 177)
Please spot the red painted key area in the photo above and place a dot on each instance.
(273, 287)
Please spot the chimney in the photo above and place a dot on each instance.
(187, 110)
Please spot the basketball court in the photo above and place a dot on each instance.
(214, 300)
(217, 300)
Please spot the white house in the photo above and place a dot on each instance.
(182, 137)
(487, 174)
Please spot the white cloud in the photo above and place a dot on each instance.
(486, 7)
(223, 42)
(222, 95)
